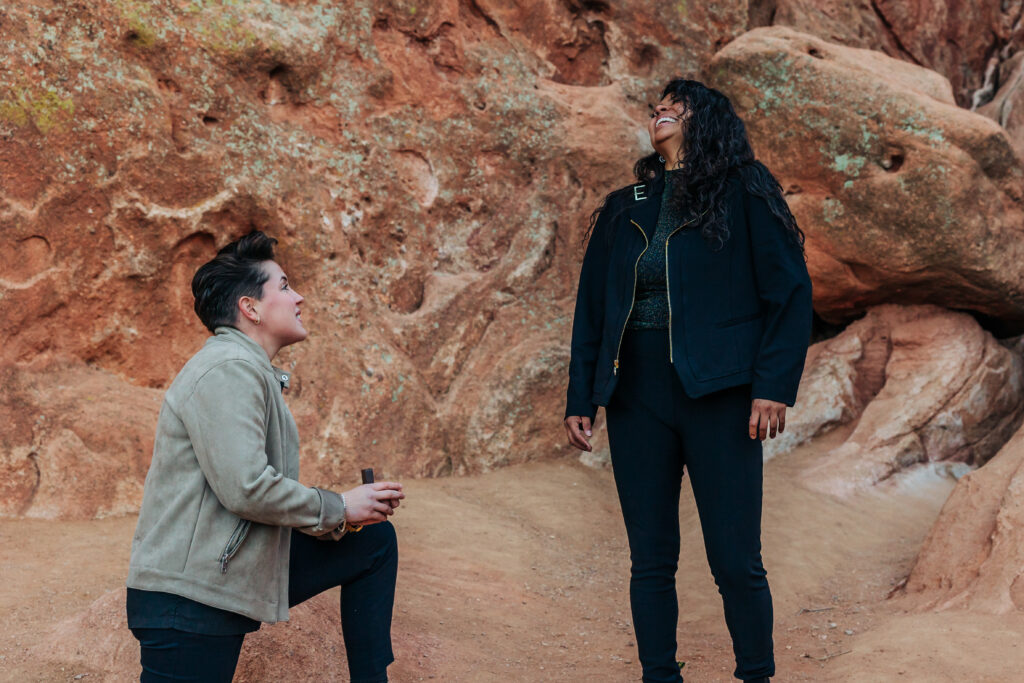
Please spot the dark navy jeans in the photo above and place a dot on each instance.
(364, 564)
(655, 430)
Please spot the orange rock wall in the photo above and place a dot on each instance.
(428, 168)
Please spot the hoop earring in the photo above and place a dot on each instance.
(661, 158)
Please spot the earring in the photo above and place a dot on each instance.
(257, 320)
(661, 158)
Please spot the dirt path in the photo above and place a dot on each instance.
(521, 575)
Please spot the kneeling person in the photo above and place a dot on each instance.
(227, 537)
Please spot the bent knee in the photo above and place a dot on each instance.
(386, 531)
(385, 538)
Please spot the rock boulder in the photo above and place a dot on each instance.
(922, 384)
(973, 558)
(841, 376)
(75, 442)
(956, 39)
(904, 197)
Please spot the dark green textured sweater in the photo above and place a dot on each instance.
(650, 305)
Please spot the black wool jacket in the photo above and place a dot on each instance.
(738, 315)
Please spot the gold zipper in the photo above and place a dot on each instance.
(668, 290)
(647, 244)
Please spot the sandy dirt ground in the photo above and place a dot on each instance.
(522, 575)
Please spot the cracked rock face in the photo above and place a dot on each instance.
(923, 385)
(903, 196)
(1007, 106)
(428, 167)
(973, 558)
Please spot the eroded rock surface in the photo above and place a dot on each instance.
(841, 376)
(903, 196)
(75, 442)
(950, 393)
(428, 167)
(974, 556)
(954, 38)
(1007, 106)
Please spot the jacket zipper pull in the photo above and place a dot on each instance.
(615, 368)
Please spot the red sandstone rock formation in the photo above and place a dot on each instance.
(974, 556)
(904, 197)
(958, 39)
(1007, 107)
(75, 441)
(924, 385)
(841, 376)
(429, 169)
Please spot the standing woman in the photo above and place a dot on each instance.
(227, 537)
(692, 322)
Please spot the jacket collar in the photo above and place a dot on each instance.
(253, 349)
(644, 201)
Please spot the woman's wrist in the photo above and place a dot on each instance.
(342, 528)
(344, 514)
(346, 525)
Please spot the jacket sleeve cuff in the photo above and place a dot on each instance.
(331, 525)
(580, 408)
(769, 394)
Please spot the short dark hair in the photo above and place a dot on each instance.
(235, 272)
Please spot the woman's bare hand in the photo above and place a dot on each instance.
(372, 503)
(578, 429)
(766, 416)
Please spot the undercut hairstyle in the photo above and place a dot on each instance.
(235, 272)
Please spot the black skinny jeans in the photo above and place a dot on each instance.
(654, 430)
(364, 564)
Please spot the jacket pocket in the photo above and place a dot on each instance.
(739, 320)
(238, 536)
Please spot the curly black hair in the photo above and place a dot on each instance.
(715, 147)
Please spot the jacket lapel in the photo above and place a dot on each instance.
(644, 204)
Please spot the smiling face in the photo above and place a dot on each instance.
(667, 128)
(278, 309)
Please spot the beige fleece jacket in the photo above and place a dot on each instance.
(222, 493)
